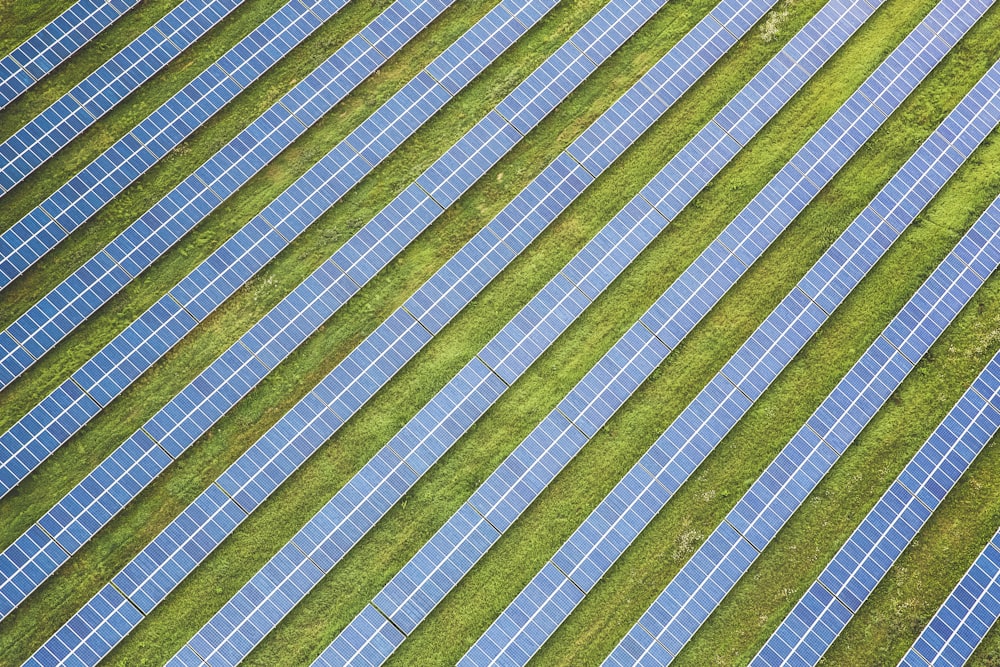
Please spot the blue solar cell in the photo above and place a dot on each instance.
(398, 118)
(25, 564)
(612, 25)
(370, 639)
(547, 86)
(613, 379)
(521, 477)
(88, 637)
(951, 23)
(965, 616)
(632, 115)
(339, 525)
(693, 294)
(55, 43)
(91, 503)
(811, 626)
(611, 527)
(264, 599)
(851, 256)
(638, 648)
(468, 159)
(856, 399)
(684, 605)
(615, 246)
(158, 568)
(535, 207)
(451, 412)
(469, 54)
(549, 595)
(375, 244)
(932, 308)
(462, 277)
(874, 546)
(773, 344)
(101, 90)
(426, 578)
(690, 170)
(533, 329)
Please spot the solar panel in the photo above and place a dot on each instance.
(852, 574)
(99, 92)
(409, 597)
(618, 520)
(55, 43)
(678, 612)
(383, 480)
(165, 436)
(157, 330)
(341, 390)
(93, 284)
(965, 616)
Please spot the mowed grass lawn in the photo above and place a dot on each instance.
(888, 622)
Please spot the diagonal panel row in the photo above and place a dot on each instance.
(148, 142)
(170, 432)
(266, 599)
(965, 616)
(436, 568)
(69, 304)
(594, 547)
(189, 539)
(119, 363)
(55, 43)
(97, 94)
(861, 563)
(728, 553)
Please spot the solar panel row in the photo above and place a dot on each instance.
(97, 94)
(55, 43)
(268, 596)
(965, 616)
(213, 515)
(729, 551)
(165, 436)
(45, 324)
(163, 325)
(587, 555)
(861, 563)
(143, 146)
(437, 567)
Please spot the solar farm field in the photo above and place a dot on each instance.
(570, 332)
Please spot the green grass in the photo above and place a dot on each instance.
(951, 540)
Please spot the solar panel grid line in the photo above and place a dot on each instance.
(176, 426)
(814, 449)
(99, 92)
(144, 341)
(621, 371)
(396, 454)
(55, 43)
(341, 391)
(965, 616)
(809, 629)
